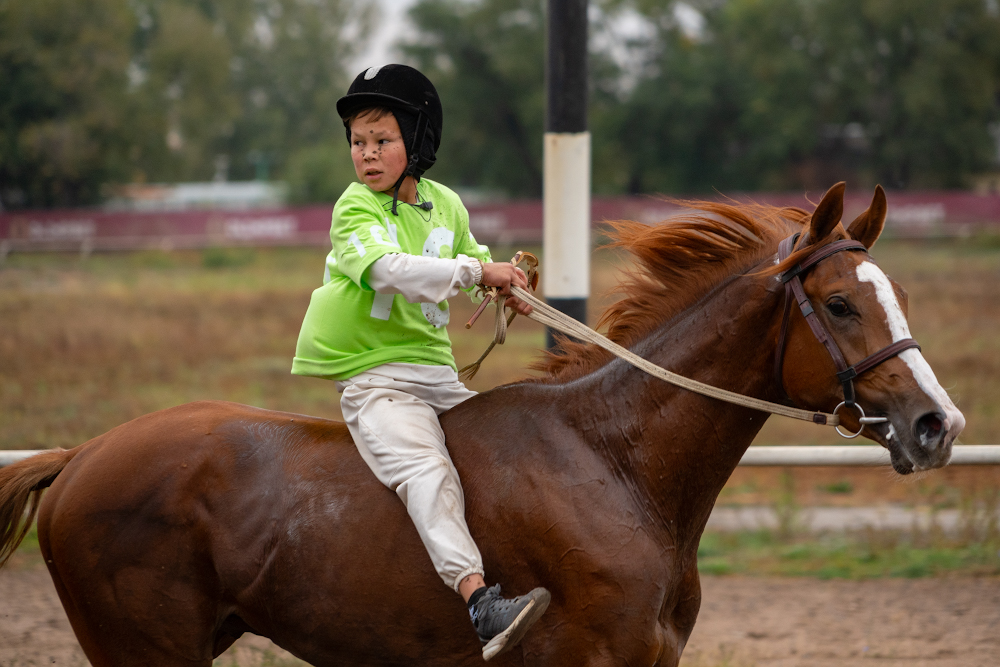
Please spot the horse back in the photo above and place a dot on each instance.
(207, 468)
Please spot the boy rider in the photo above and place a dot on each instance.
(401, 248)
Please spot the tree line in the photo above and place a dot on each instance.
(684, 98)
(95, 93)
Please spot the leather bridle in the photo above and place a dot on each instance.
(795, 292)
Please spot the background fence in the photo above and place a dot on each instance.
(911, 215)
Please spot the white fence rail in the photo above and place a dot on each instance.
(861, 455)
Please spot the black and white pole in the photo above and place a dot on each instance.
(566, 189)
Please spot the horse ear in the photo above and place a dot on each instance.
(828, 213)
(867, 227)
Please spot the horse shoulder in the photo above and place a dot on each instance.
(537, 492)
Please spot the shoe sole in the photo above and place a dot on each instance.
(514, 633)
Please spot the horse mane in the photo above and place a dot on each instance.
(676, 262)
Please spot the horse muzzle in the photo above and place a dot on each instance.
(923, 442)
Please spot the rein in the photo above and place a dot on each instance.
(550, 317)
(554, 319)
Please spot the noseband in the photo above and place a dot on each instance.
(794, 291)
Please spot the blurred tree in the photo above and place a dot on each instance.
(97, 92)
(252, 82)
(320, 173)
(754, 94)
(288, 72)
(486, 60)
(789, 94)
(63, 101)
(180, 90)
(922, 79)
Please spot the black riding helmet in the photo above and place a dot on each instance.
(415, 104)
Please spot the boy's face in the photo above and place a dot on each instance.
(377, 151)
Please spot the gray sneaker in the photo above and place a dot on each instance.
(501, 623)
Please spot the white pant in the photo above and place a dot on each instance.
(392, 412)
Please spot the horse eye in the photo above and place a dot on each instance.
(838, 307)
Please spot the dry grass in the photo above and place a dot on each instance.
(86, 344)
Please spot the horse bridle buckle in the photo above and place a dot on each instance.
(862, 420)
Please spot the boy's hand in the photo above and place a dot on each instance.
(503, 275)
(521, 307)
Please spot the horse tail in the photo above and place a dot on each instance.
(21, 486)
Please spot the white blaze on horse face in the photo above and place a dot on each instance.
(869, 272)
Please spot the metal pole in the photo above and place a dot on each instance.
(566, 237)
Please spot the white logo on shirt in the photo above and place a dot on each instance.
(376, 233)
(437, 315)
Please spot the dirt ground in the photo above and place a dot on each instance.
(785, 622)
(744, 622)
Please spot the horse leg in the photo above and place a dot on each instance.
(118, 632)
(158, 611)
(675, 627)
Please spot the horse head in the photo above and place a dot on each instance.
(863, 311)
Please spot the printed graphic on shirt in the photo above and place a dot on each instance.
(438, 244)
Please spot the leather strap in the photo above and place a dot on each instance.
(885, 353)
(794, 291)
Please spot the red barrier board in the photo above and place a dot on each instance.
(911, 214)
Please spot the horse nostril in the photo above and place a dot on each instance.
(930, 429)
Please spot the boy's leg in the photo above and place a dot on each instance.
(395, 427)
(401, 440)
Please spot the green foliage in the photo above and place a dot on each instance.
(287, 73)
(320, 173)
(770, 95)
(63, 76)
(789, 94)
(486, 59)
(98, 92)
(783, 94)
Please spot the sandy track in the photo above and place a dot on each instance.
(786, 622)
(744, 622)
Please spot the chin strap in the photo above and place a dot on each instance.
(418, 143)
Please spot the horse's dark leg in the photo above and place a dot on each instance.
(114, 635)
(134, 595)
(677, 623)
(167, 638)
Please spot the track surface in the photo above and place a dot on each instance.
(744, 622)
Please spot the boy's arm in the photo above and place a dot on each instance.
(500, 274)
(423, 279)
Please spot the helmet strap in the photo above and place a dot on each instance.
(418, 143)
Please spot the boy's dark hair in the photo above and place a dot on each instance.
(414, 102)
(373, 114)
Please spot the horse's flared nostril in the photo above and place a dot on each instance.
(929, 430)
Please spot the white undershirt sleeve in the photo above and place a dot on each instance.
(423, 279)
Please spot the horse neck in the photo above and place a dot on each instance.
(673, 448)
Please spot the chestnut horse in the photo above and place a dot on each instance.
(170, 536)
